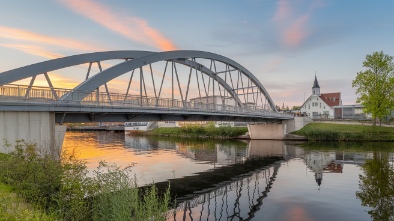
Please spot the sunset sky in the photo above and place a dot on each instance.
(283, 43)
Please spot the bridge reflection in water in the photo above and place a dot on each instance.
(239, 199)
(242, 194)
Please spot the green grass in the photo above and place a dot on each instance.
(208, 131)
(346, 132)
(15, 208)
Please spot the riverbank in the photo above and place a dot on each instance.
(345, 132)
(200, 132)
(13, 207)
(46, 188)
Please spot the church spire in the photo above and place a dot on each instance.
(316, 87)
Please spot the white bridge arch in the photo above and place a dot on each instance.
(205, 75)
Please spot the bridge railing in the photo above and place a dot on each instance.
(55, 96)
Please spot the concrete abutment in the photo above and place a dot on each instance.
(277, 131)
(32, 127)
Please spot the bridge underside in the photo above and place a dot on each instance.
(80, 117)
(80, 114)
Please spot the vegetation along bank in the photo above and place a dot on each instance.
(345, 132)
(208, 131)
(37, 186)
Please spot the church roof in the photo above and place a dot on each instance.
(331, 99)
(316, 84)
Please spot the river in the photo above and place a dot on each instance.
(254, 180)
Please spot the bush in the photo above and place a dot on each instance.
(33, 176)
(199, 131)
(62, 186)
(117, 197)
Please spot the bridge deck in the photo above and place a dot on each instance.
(120, 107)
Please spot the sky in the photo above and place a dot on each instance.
(284, 43)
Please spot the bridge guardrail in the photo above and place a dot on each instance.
(54, 96)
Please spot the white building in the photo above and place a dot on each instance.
(168, 124)
(321, 105)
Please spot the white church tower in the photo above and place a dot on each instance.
(316, 87)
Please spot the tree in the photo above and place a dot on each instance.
(375, 86)
(296, 108)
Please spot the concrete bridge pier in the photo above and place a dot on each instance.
(32, 127)
(276, 131)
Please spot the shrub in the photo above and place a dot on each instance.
(199, 131)
(62, 186)
(322, 135)
(117, 196)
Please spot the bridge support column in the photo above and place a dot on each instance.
(277, 131)
(266, 131)
(33, 127)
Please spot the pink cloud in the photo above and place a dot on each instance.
(292, 18)
(133, 28)
(295, 34)
(33, 49)
(23, 35)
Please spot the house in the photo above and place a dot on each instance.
(321, 105)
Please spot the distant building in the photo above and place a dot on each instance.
(192, 123)
(321, 105)
(213, 102)
(230, 124)
(168, 124)
(351, 112)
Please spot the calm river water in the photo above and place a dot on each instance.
(254, 180)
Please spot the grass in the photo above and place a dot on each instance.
(346, 132)
(209, 131)
(15, 208)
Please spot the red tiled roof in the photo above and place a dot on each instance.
(332, 99)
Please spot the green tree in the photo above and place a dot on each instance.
(296, 108)
(375, 86)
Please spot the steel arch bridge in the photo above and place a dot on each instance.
(172, 85)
